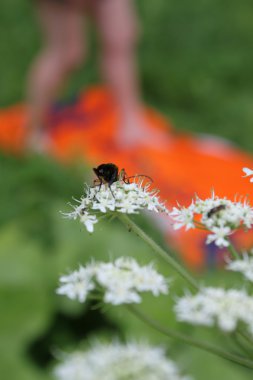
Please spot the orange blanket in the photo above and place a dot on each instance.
(188, 165)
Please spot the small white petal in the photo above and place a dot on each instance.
(247, 172)
(243, 265)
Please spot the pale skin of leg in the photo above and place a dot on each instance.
(118, 27)
(62, 52)
(62, 26)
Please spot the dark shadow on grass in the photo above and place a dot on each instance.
(67, 332)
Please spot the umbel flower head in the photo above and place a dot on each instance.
(115, 361)
(118, 282)
(243, 265)
(220, 216)
(120, 197)
(217, 306)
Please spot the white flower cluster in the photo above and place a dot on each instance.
(120, 281)
(217, 306)
(119, 197)
(244, 266)
(115, 361)
(220, 216)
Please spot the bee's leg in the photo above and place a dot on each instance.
(126, 179)
(111, 192)
(98, 182)
(109, 185)
(100, 185)
(139, 175)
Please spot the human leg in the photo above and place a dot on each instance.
(118, 27)
(62, 52)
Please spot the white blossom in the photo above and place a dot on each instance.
(243, 265)
(217, 306)
(78, 284)
(220, 216)
(121, 281)
(219, 236)
(119, 197)
(248, 172)
(80, 211)
(88, 220)
(183, 217)
(115, 361)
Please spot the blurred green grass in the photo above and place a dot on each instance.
(196, 64)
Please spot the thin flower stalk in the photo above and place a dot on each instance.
(245, 336)
(241, 345)
(191, 341)
(160, 251)
(233, 251)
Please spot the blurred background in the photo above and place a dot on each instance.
(195, 61)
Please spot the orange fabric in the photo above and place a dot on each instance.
(189, 164)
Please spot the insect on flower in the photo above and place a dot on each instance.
(215, 210)
(109, 173)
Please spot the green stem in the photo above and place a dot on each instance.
(191, 341)
(101, 217)
(199, 225)
(238, 342)
(160, 251)
(233, 252)
(245, 336)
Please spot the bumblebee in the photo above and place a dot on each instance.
(214, 210)
(106, 173)
(110, 173)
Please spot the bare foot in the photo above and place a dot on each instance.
(135, 131)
